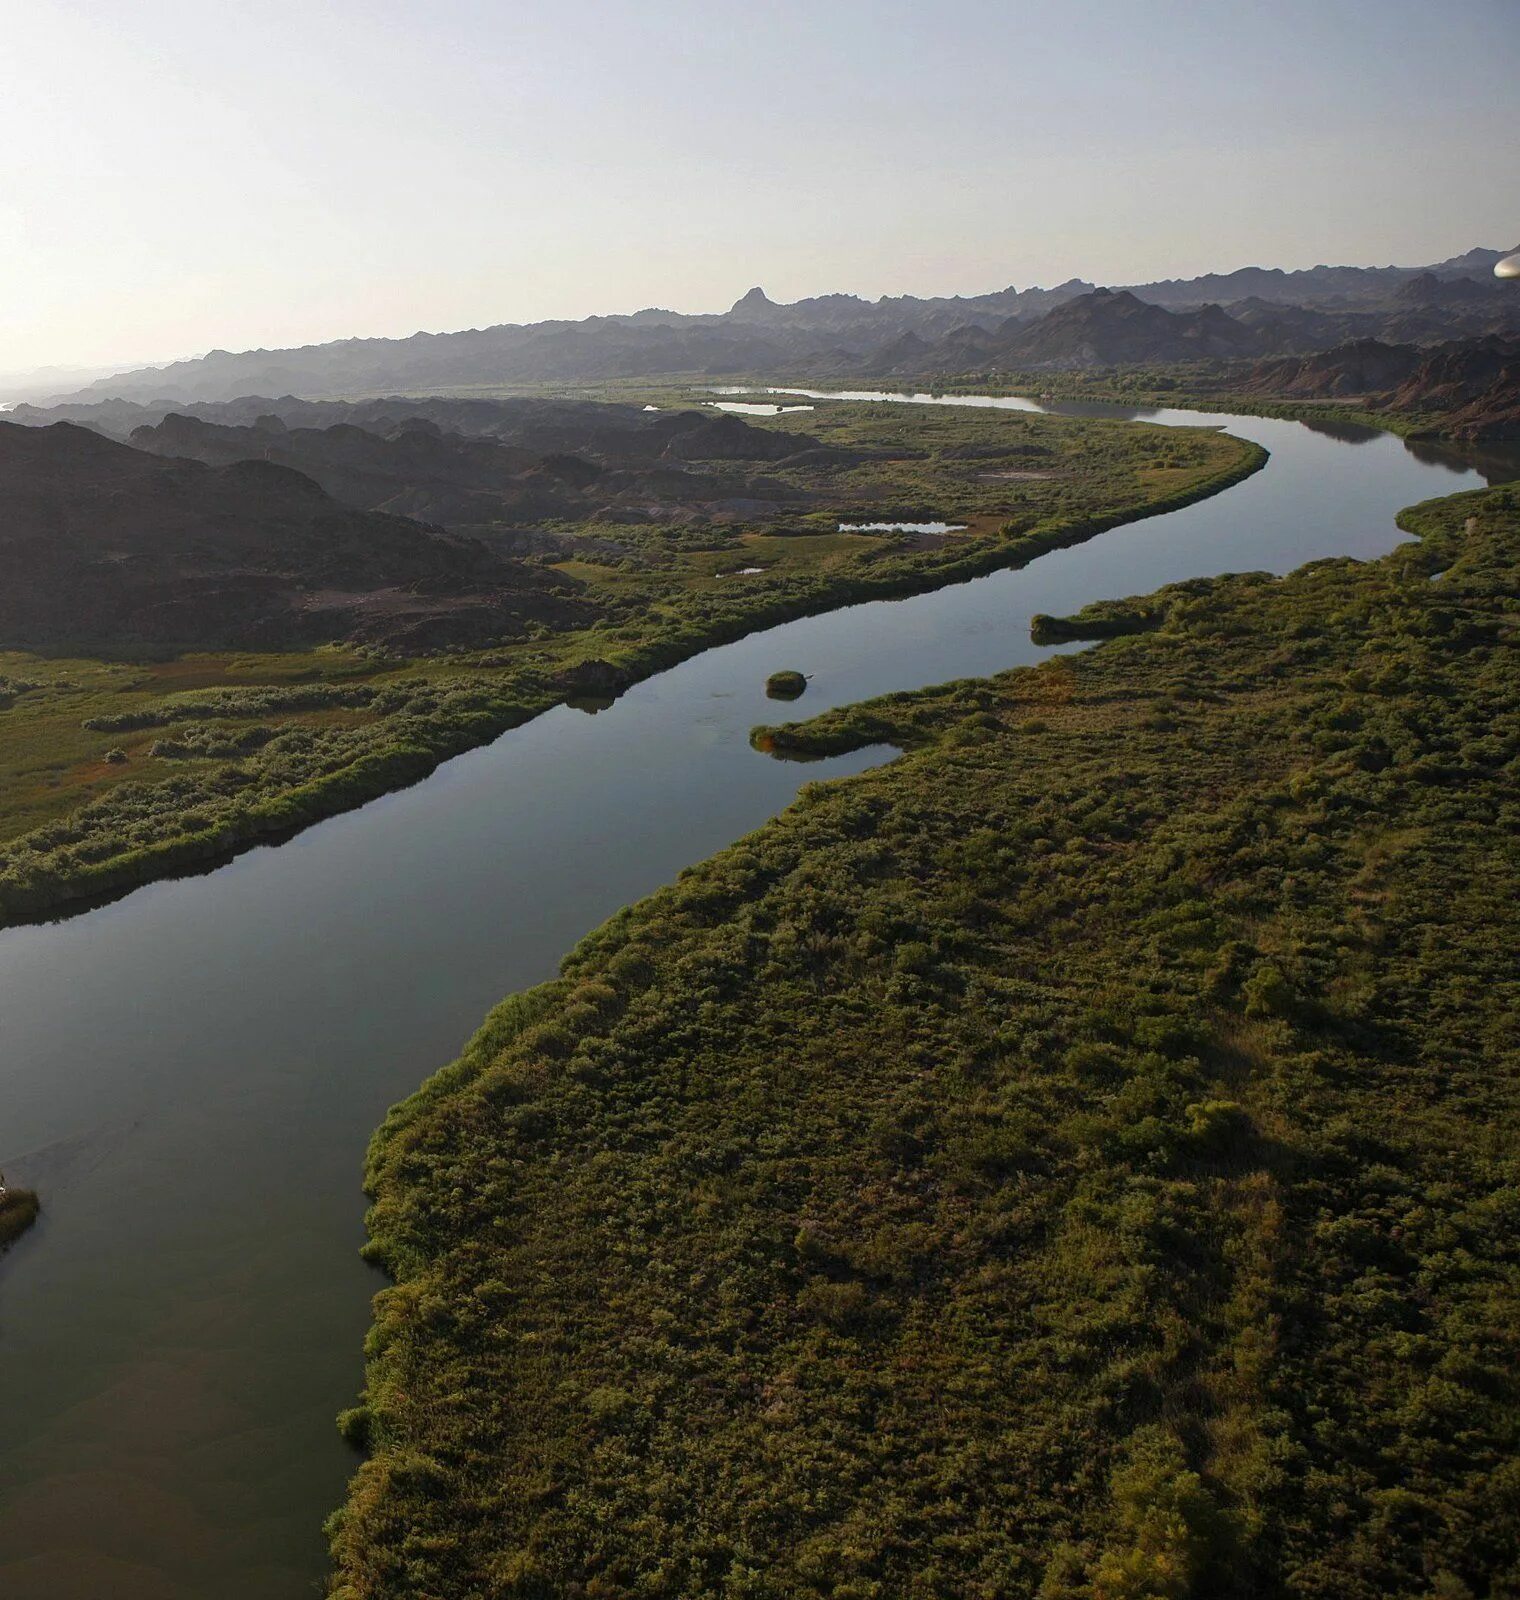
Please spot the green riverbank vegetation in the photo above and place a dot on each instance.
(1234, 388)
(112, 773)
(1076, 1159)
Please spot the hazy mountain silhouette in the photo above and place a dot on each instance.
(830, 334)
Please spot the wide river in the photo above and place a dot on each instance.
(189, 1075)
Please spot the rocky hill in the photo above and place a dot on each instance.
(1362, 368)
(1471, 387)
(1109, 328)
(109, 550)
(1474, 385)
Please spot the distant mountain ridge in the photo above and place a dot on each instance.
(1110, 328)
(844, 334)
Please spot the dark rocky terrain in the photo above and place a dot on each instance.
(105, 549)
(1472, 385)
(1475, 385)
(542, 460)
(1348, 371)
(843, 335)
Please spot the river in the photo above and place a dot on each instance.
(190, 1074)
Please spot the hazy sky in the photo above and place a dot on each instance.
(180, 174)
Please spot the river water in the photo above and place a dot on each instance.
(190, 1074)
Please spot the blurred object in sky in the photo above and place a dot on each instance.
(1509, 267)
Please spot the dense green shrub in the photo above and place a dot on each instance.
(785, 685)
(1079, 1160)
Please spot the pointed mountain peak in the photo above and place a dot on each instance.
(755, 300)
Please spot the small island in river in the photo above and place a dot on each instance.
(19, 1209)
(785, 685)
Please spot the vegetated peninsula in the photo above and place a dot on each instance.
(1076, 1159)
(201, 653)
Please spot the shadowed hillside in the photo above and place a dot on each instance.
(1471, 387)
(676, 465)
(107, 549)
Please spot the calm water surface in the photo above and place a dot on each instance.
(190, 1075)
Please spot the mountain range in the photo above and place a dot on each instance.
(1253, 311)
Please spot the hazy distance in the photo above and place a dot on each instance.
(181, 177)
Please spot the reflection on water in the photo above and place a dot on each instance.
(990, 402)
(1346, 432)
(1499, 462)
(755, 409)
(1110, 409)
(196, 1068)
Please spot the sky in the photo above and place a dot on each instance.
(179, 176)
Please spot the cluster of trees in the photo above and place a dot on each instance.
(1076, 1160)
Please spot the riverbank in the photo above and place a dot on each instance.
(183, 765)
(1007, 1167)
(1187, 389)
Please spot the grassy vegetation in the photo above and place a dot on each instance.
(113, 773)
(1077, 1159)
(18, 1211)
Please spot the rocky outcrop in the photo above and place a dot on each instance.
(622, 463)
(1467, 388)
(1473, 384)
(110, 550)
(1365, 367)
